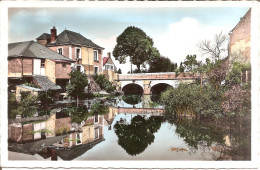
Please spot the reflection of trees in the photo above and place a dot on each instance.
(132, 99)
(135, 137)
(194, 131)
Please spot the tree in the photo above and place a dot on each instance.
(28, 105)
(181, 68)
(161, 64)
(190, 62)
(119, 71)
(215, 48)
(134, 43)
(77, 84)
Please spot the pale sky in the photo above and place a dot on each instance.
(175, 31)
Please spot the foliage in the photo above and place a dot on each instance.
(104, 83)
(119, 71)
(237, 101)
(190, 62)
(181, 68)
(132, 99)
(134, 43)
(12, 105)
(190, 100)
(161, 64)
(28, 105)
(77, 84)
(98, 108)
(135, 137)
(78, 114)
(234, 76)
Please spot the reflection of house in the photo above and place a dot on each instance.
(240, 38)
(109, 117)
(30, 61)
(109, 68)
(74, 46)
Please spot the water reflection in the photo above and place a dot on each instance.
(136, 136)
(121, 131)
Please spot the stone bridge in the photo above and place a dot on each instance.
(147, 81)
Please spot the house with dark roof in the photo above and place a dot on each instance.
(29, 61)
(109, 68)
(86, 54)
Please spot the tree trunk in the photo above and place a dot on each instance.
(131, 67)
(77, 101)
(138, 69)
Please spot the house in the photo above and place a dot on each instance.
(240, 44)
(29, 61)
(86, 54)
(240, 39)
(109, 68)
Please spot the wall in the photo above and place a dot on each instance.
(27, 66)
(50, 125)
(62, 124)
(50, 70)
(37, 127)
(61, 71)
(19, 89)
(99, 62)
(240, 39)
(87, 55)
(14, 67)
(65, 50)
(87, 134)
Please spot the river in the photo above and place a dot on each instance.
(136, 128)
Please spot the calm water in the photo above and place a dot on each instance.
(135, 128)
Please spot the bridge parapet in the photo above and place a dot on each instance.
(156, 76)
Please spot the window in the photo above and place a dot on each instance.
(42, 62)
(60, 51)
(96, 118)
(63, 65)
(78, 138)
(109, 67)
(95, 70)
(78, 53)
(95, 55)
(96, 133)
(78, 68)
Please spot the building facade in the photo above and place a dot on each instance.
(109, 68)
(29, 59)
(86, 54)
(240, 40)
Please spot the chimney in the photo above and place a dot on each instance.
(108, 55)
(53, 34)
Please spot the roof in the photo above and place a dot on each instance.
(34, 50)
(70, 37)
(44, 36)
(45, 83)
(105, 59)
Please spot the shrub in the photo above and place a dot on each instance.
(192, 101)
(104, 83)
(98, 108)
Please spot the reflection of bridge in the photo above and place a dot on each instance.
(149, 80)
(152, 111)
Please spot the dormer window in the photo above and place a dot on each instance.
(78, 53)
(60, 50)
(95, 55)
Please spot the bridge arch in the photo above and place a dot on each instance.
(158, 88)
(132, 88)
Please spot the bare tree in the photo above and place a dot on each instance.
(215, 48)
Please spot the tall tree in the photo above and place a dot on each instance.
(78, 82)
(134, 43)
(216, 48)
(161, 64)
(190, 62)
(181, 68)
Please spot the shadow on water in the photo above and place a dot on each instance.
(136, 136)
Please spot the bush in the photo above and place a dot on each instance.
(104, 83)
(192, 101)
(98, 108)
(28, 105)
(78, 114)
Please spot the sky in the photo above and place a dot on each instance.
(175, 31)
